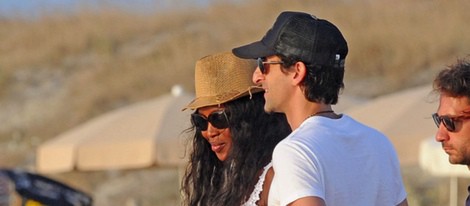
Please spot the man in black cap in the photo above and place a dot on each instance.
(329, 158)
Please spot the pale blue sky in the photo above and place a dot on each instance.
(30, 8)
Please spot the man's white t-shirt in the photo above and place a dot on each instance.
(339, 160)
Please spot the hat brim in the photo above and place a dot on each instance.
(214, 100)
(253, 51)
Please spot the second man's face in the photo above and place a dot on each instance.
(455, 143)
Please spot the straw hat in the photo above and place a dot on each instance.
(222, 77)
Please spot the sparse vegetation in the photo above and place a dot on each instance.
(60, 70)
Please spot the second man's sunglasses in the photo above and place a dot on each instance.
(449, 122)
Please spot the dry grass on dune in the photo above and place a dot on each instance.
(410, 37)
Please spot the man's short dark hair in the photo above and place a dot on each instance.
(454, 80)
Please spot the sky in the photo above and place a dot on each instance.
(33, 8)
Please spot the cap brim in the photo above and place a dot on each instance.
(253, 51)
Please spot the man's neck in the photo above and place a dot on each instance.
(303, 110)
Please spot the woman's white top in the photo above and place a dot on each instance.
(255, 195)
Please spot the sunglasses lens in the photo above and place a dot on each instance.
(436, 119)
(260, 64)
(199, 122)
(218, 119)
(449, 123)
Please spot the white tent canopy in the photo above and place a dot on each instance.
(136, 136)
(433, 159)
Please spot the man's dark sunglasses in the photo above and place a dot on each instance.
(262, 61)
(217, 119)
(449, 122)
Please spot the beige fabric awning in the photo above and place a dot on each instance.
(405, 117)
(140, 135)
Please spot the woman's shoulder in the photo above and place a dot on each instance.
(266, 186)
(259, 196)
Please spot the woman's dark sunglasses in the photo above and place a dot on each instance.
(262, 61)
(217, 119)
(449, 122)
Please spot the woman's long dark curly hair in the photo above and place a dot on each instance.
(209, 181)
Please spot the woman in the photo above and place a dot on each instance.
(233, 136)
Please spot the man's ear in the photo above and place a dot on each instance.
(300, 71)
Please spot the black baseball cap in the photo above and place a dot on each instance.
(302, 36)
